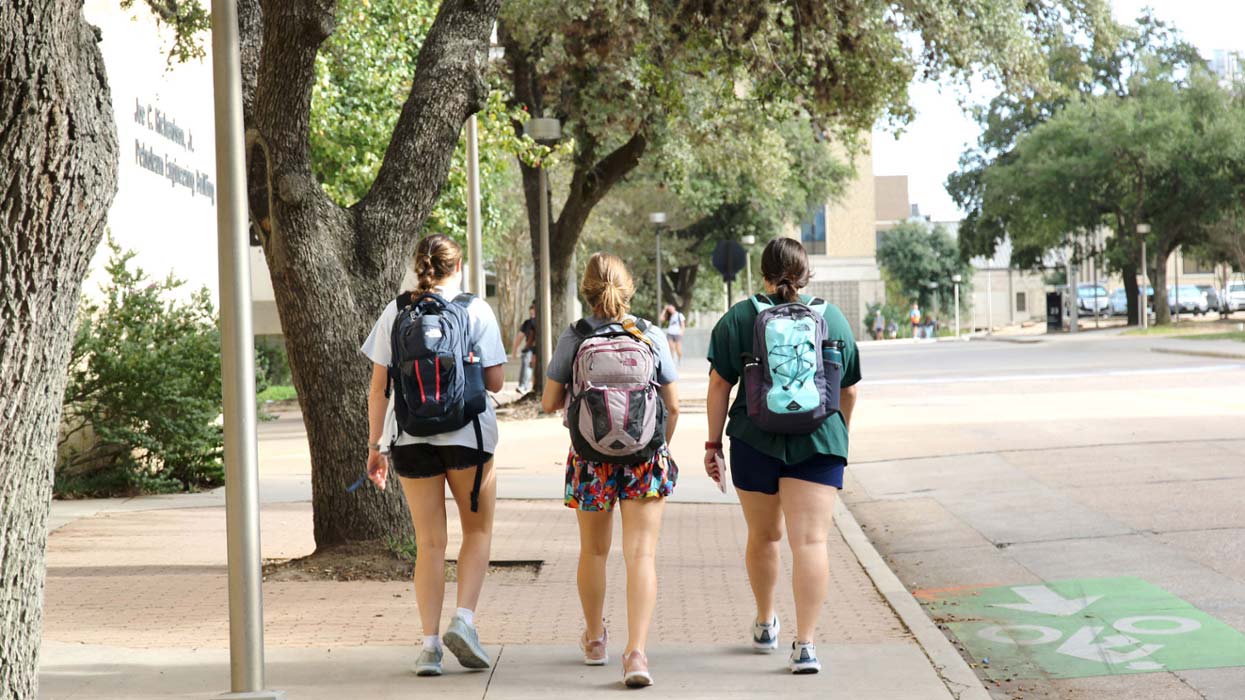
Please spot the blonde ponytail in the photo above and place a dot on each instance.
(607, 286)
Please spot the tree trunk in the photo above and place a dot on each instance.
(1162, 310)
(58, 177)
(1131, 291)
(333, 269)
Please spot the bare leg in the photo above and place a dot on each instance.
(425, 498)
(641, 522)
(808, 509)
(477, 527)
(596, 531)
(763, 514)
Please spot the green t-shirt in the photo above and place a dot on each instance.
(732, 339)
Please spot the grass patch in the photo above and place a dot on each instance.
(1238, 336)
(281, 392)
(1188, 329)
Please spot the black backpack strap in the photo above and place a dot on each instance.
(583, 329)
(815, 301)
(475, 489)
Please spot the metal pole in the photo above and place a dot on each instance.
(1176, 283)
(544, 312)
(990, 301)
(1073, 301)
(246, 613)
(659, 294)
(957, 310)
(747, 268)
(475, 241)
(1141, 288)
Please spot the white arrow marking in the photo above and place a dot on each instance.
(1081, 645)
(1044, 600)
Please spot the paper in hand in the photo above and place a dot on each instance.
(721, 480)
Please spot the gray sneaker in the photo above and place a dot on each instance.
(804, 658)
(464, 642)
(765, 636)
(428, 663)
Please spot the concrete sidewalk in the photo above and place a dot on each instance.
(136, 601)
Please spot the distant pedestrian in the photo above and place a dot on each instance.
(461, 353)
(914, 317)
(527, 356)
(879, 324)
(675, 322)
(619, 376)
(788, 438)
(892, 329)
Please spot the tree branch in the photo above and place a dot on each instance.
(590, 184)
(447, 88)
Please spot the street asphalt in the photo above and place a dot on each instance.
(1068, 510)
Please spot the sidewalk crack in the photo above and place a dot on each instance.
(492, 671)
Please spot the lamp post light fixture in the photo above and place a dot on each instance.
(658, 220)
(545, 131)
(1143, 279)
(748, 241)
(956, 279)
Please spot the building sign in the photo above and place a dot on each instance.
(1090, 627)
(156, 158)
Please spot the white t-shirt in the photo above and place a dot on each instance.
(674, 326)
(485, 335)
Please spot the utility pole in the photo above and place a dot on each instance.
(658, 219)
(475, 241)
(545, 131)
(1073, 302)
(1143, 315)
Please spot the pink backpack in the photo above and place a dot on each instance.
(614, 412)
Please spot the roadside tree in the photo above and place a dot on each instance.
(913, 255)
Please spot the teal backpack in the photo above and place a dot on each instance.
(792, 379)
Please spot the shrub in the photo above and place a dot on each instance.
(143, 402)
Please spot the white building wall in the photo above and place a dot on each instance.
(165, 208)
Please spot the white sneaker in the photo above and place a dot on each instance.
(428, 663)
(765, 636)
(804, 658)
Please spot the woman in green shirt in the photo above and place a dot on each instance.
(789, 478)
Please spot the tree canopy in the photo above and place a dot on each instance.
(913, 255)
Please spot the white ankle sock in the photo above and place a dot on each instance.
(468, 616)
(432, 642)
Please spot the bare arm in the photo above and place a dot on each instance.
(377, 405)
(716, 404)
(518, 343)
(847, 402)
(670, 397)
(495, 378)
(554, 397)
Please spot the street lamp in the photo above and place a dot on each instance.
(475, 239)
(956, 279)
(1142, 278)
(748, 241)
(545, 131)
(658, 219)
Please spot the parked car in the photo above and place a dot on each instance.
(1189, 298)
(1212, 296)
(1118, 301)
(1234, 296)
(1092, 299)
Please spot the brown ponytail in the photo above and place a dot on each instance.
(784, 264)
(607, 286)
(436, 258)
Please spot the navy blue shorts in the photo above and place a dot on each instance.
(753, 470)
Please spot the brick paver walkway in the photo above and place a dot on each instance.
(156, 579)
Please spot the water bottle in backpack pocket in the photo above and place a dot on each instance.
(614, 412)
(791, 380)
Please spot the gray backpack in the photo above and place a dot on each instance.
(614, 412)
(792, 377)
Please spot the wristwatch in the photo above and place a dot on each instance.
(713, 445)
(374, 446)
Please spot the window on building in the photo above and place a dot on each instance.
(1020, 301)
(813, 231)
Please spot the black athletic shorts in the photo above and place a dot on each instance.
(422, 460)
(753, 470)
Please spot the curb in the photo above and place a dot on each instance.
(1200, 353)
(962, 683)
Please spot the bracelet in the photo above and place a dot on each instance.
(713, 445)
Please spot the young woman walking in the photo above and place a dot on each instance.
(425, 464)
(781, 477)
(612, 338)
